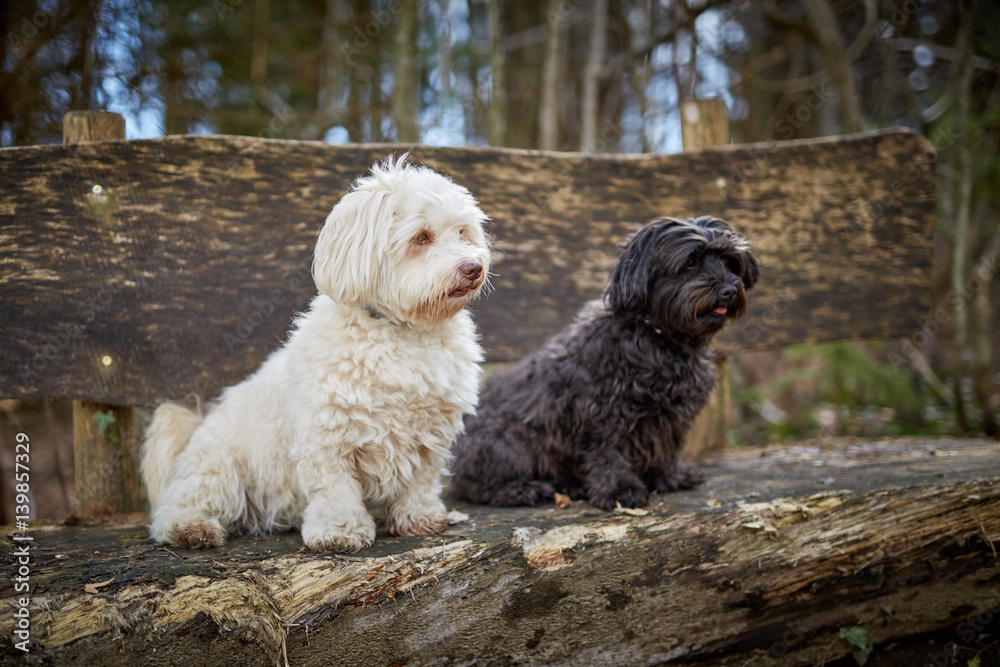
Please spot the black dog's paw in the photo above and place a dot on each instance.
(536, 493)
(531, 492)
(685, 476)
(629, 496)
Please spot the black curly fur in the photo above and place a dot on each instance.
(602, 409)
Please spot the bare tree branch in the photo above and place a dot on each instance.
(778, 55)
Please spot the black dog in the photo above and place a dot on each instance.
(601, 410)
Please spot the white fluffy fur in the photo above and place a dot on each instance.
(356, 407)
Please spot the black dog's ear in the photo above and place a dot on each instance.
(751, 269)
(627, 290)
(628, 284)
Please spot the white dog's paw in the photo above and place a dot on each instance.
(423, 521)
(339, 535)
(200, 534)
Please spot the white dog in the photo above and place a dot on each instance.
(362, 403)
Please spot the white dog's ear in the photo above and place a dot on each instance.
(347, 256)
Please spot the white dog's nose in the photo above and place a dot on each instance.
(471, 270)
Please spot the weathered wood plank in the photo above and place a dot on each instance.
(903, 541)
(184, 258)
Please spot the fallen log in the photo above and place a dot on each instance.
(779, 550)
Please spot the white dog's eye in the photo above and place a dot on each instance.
(423, 238)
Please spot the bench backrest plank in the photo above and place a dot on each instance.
(134, 271)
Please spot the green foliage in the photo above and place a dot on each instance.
(973, 663)
(838, 389)
(857, 637)
(104, 421)
(852, 375)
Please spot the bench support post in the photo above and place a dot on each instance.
(705, 123)
(105, 451)
(105, 459)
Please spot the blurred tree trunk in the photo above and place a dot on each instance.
(357, 64)
(444, 52)
(376, 109)
(982, 330)
(637, 70)
(258, 56)
(982, 318)
(405, 73)
(964, 203)
(525, 30)
(498, 94)
(548, 110)
(590, 108)
(174, 116)
(89, 54)
(761, 119)
(831, 43)
(475, 125)
(331, 79)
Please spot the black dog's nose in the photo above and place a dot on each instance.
(727, 293)
(471, 270)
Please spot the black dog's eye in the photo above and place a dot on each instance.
(693, 263)
(734, 266)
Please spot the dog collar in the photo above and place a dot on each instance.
(679, 343)
(375, 312)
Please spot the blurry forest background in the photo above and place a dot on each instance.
(593, 75)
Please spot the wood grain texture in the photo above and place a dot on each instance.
(709, 434)
(80, 126)
(781, 548)
(184, 258)
(105, 459)
(704, 123)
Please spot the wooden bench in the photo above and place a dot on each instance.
(137, 271)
